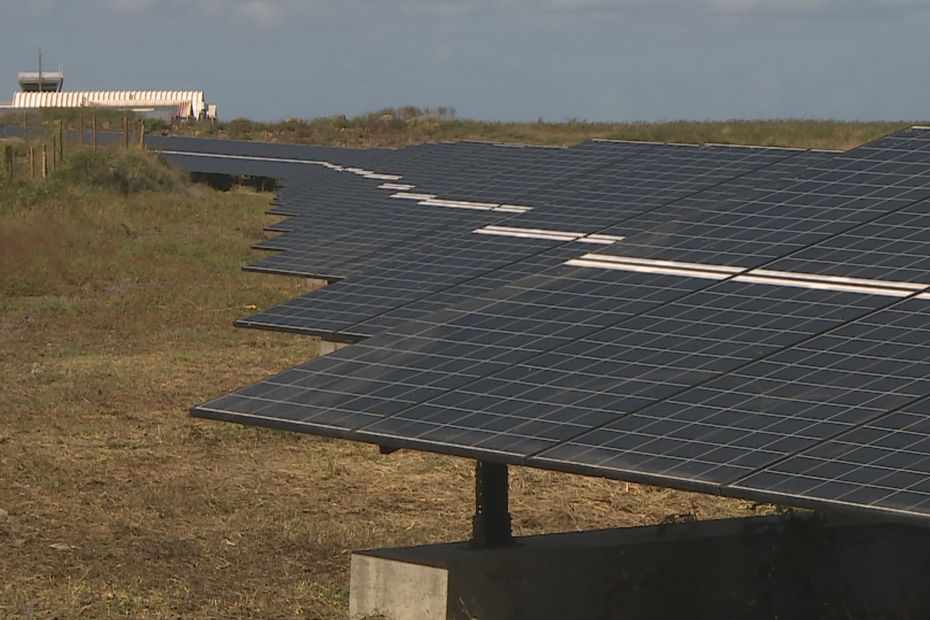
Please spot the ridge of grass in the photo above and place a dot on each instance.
(404, 126)
(397, 127)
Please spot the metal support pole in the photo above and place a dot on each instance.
(491, 523)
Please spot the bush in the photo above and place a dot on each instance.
(127, 172)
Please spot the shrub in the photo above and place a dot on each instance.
(127, 172)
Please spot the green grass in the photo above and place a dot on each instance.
(397, 127)
(107, 120)
(411, 125)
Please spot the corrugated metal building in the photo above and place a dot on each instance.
(173, 103)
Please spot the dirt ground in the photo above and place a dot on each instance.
(115, 318)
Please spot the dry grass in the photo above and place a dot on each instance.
(412, 125)
(397, 127)
(115, 317)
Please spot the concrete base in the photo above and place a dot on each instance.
(314, 283)
(331, 346)
(756, 568)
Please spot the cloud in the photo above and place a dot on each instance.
(280, 12)
(264, 12)
(126, 5)
(839, 9)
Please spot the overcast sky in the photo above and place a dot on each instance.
(619, 60)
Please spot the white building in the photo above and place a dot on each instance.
(167, 103)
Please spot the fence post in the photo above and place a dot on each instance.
(8, 160)
(44, 161)
(142, 134)
(126, 132)
(54, 154)
(61, 140)
(94, 121)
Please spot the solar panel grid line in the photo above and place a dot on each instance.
(760, 276)
(690, 290)
(911, 288)
(504, 350)
(852, 430)
(611, 161)
(719, 183)
(862, 456)
(739, 227)
(428, 227)
(402, 226)
(341, 264)
(504, 208)
(810, 283)
(748, 172)
(838, 377)
(774, 372)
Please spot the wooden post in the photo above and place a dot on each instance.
(142, 134)
(126, 132)
(54, 154)
(32, 161)
(94, 129)
(44, 162)
(61, 140)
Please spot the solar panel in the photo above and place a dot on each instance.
(765, 341)
(849, 189)
(393, 286)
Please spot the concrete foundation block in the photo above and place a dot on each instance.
(757, 568)
(402, 590)
(331, 346)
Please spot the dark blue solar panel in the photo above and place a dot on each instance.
(781, 355)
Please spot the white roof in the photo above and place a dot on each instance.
(113, 99)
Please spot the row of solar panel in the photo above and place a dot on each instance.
(760, 331)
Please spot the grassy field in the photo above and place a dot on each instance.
(117, 294)
(405, 126)
(396, 127)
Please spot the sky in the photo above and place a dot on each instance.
(597, 60)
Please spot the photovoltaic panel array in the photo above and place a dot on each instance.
(759, 331)
(420, 277)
